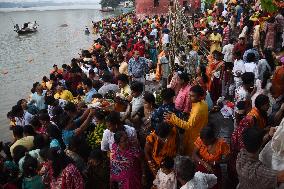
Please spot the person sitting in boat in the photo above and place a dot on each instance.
(17, 27)
(25, 26)
(87, 30)
(35, 25)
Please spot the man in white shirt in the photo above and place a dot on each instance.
(137, 97)
(113, 125)
(225, 13)
(154, 32)
(165, 66)
(238, 69)
(250, 65)
(165, 39)
(22, 117)
(189, 179)
(192, 57)
(108, 86)
(243, 92)
(145, 39)
(228, 51)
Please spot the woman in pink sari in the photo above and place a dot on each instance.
(125, 168)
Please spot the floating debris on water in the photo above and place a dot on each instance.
(4, 72)
(30, 60)
(63, 25)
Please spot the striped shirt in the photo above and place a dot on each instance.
(253, 174)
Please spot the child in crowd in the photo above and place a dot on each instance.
(165, 178)
(31, 179)
(188, 178)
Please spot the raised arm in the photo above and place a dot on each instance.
(148, 149)
(172, 119)
(86, 123)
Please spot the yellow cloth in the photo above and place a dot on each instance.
(215, 42)
(125, 91)
(197, 120)
(129, 20)
(123, 68)
(27, 142)
(65, 95)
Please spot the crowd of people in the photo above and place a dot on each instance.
(127, 115)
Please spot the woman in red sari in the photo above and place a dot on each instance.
(215, 72)
(201, 79)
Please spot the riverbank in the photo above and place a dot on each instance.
(28, 58)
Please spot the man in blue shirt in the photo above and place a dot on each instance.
(89, 90)
(167, 106)
(239, 10)
(137, 67)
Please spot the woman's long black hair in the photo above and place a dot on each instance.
(269, 58)
(266, 77)
(203, 73)
(59, 160)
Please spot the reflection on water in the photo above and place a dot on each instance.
(26, 36)
(25, 59)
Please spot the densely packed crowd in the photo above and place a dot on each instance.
(127, 115)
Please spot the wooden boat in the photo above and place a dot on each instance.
(28, 28)
(22, 31)
(128, 4)
(107, 9)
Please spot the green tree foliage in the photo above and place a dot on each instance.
(110, 3)
(209, 3)
(268, 5)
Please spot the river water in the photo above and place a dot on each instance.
(26, 59)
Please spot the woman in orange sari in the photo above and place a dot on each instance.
(208, 153)
(215, 72)
(278, 80)
(158, 74)
(160, 144)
